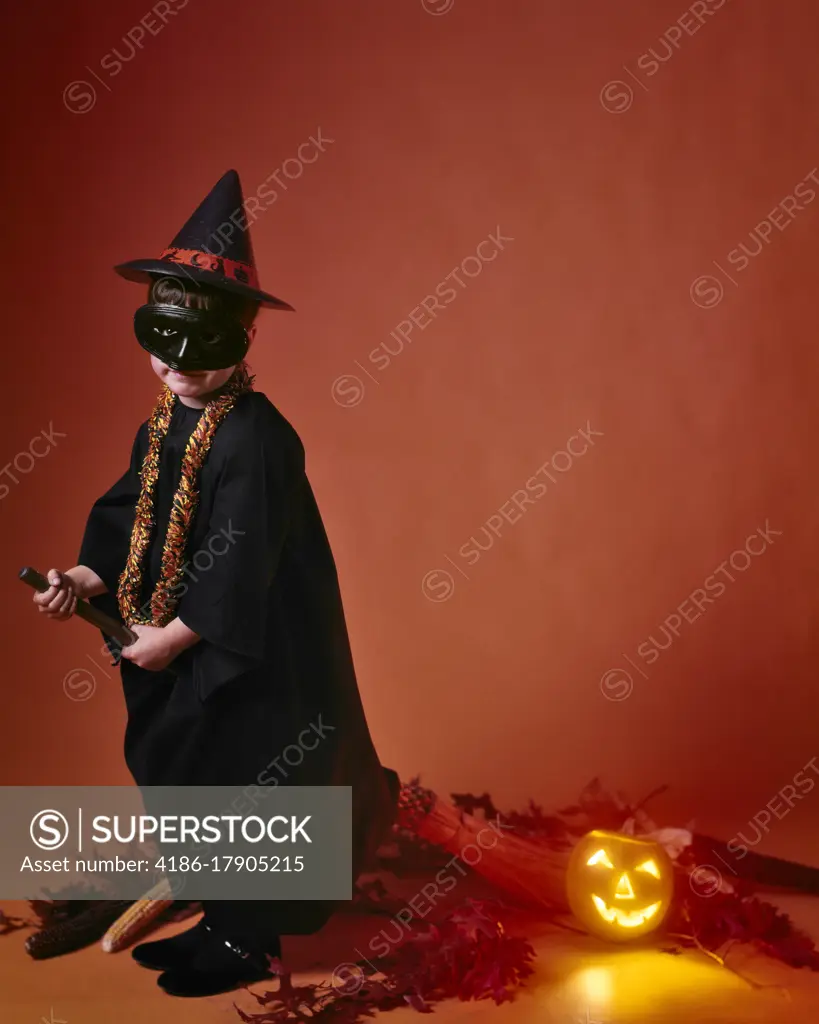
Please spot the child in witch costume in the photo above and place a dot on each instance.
(242, 652)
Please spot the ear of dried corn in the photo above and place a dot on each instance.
(137, 918)
(77, 931)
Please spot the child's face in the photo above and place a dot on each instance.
(193, 387)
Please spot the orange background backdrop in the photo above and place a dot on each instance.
(446, 124)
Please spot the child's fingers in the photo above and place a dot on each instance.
(60, 616)
(69, 604)
(44, 600)
(70, 607)
(61, 595)
(61, 599)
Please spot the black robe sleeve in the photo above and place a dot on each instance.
(227, 582)
(108, 529)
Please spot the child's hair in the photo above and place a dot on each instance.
(176, 292)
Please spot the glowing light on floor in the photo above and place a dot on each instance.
(645, 984)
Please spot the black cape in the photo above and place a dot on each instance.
(274, 662)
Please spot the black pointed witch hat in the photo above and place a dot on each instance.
(213, 248)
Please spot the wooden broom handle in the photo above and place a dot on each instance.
(123, 636)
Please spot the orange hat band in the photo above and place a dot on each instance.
(244, 273)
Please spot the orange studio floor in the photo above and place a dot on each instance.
(577, 980)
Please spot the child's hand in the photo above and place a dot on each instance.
(153, 651)
(60, 600)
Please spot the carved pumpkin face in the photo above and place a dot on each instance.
(619, 886)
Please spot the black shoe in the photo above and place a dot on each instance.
(218, 966)
(170, 954)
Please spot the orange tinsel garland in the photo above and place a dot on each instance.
(163, 601)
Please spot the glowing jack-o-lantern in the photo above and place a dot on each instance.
(619, 886)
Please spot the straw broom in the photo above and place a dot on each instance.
(532, 870)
